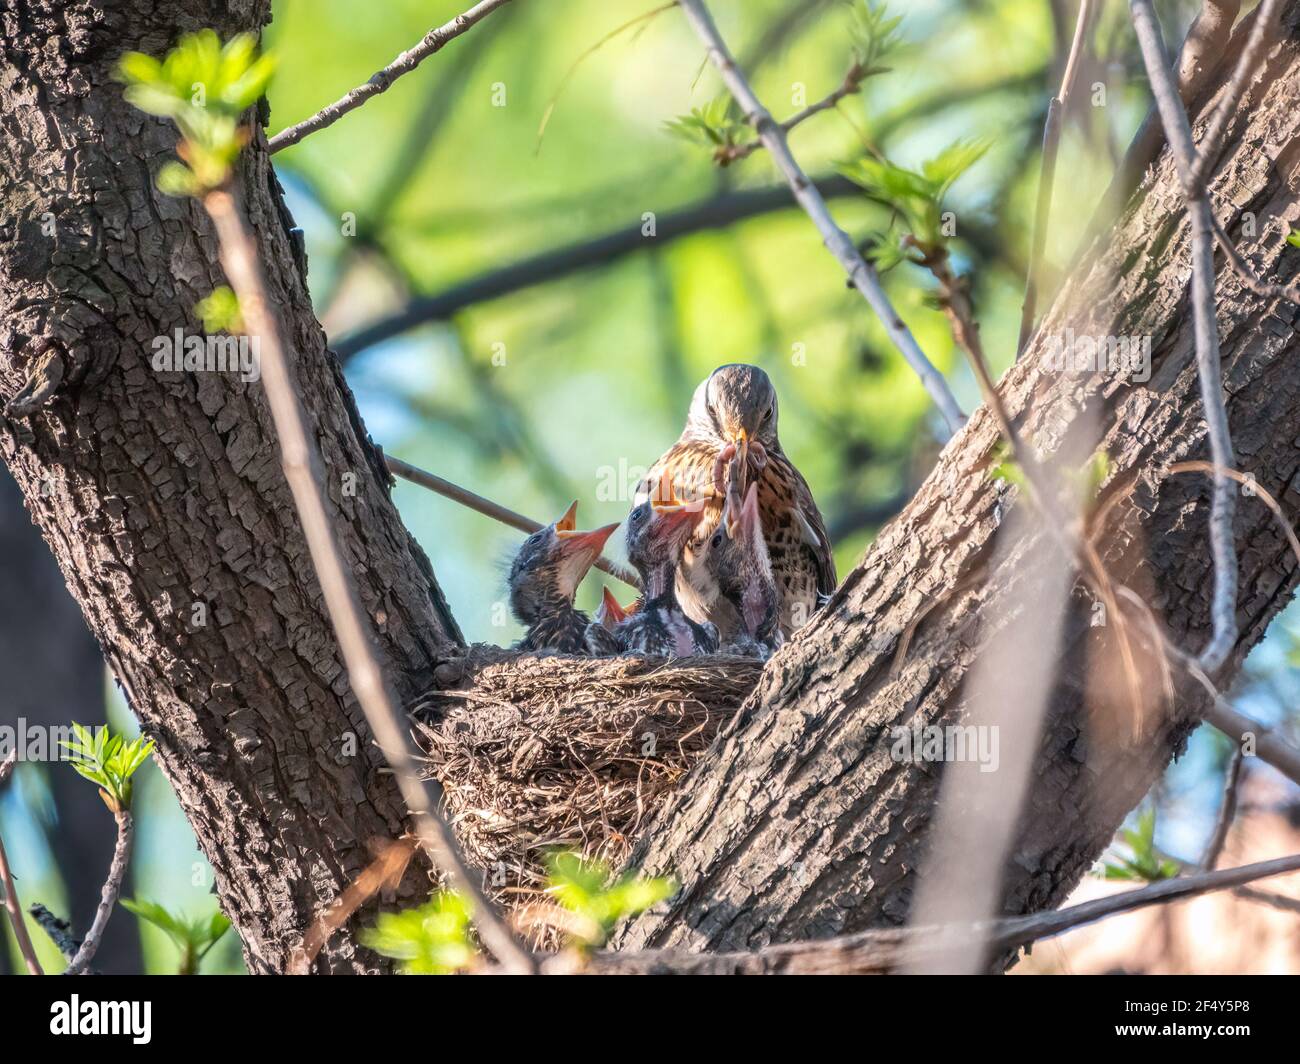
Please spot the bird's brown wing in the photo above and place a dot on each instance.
(819, 541)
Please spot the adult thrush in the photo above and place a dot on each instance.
(734, 413)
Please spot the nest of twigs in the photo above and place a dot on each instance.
(539, 753)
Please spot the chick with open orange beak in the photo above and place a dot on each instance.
(544, 579)
(657, 531)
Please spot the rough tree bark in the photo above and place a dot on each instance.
(800, 825)
(170, 517)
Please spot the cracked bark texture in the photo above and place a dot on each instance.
(169, 514)
(800, 824)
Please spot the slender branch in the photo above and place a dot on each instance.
(1047, 173)
(1266, 897)
(716, 212)
(851, 85)
(1252, 280)
(488, 508)
(1230, 97)
(11, 896)
(1207, 39)
(1223, 608)
(1227, 811)
(108, 896)
(1265, 496)
(382, 80)
(300, 460)
(59, 930)
(886, 950)
(837, 241)
(1269, 747)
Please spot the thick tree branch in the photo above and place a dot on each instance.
(382, 80)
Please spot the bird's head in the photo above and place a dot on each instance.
(735, 404)
(737, 556)
(550, 565)
(657, 531)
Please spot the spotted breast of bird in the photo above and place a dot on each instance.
(733, 412)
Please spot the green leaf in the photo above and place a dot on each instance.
(875, 36)
(1293, 238)
(106, 759)
(430, 940)
(220, 312)
(583, 887)
(175, 179)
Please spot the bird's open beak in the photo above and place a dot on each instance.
(667, 506)
(569, 521)
(572, 542)
(611, 611)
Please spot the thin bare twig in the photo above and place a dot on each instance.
(887, 950)
(851, 85)
(1223, 608)
(1252, 280)
(1249, 483)
(11, 896)
(1047, 173)
(300, 461)
(837, 241)
(380, 81)
(488, 508)
(1230, 97)
(108, 896)
(1227, 811)
(384, 872)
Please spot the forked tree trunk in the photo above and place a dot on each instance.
(800, 825)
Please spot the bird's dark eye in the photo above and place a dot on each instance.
(767, 416)
(717, 538)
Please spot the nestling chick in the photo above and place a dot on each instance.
(734, 411)
(657, 530)
(600, 639)
(736, 557)
(544, 579)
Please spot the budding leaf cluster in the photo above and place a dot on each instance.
(108, 760)
(204, 87)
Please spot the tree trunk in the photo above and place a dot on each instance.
(168, 513)
(800, 824)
